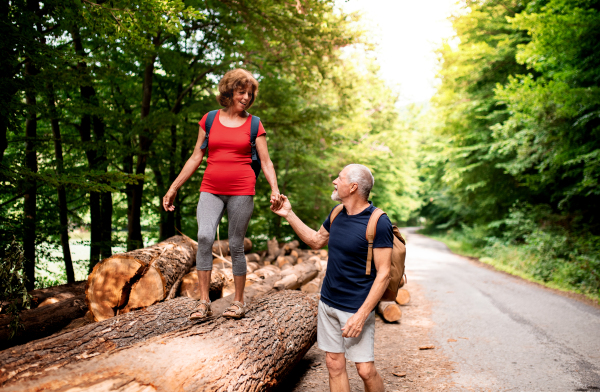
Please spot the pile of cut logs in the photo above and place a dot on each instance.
(135, 305)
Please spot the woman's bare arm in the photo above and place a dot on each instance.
(189, 168)
(267, 167)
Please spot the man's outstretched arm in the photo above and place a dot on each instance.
(312, 238)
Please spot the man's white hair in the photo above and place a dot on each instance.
(361, 175)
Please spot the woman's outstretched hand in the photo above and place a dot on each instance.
(276, 200)
(283, 208)
(168, 200)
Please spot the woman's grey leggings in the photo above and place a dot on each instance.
(209, 213)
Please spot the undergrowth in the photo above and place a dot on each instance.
(543, 252)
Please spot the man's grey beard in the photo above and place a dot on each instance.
(335, 196)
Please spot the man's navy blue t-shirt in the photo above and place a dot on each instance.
(346, 286)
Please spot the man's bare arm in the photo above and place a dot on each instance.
(312, 238)
(383, 264)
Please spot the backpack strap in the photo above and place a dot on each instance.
(334, 213)
(371, 230)
(253, 134)
(210, 118)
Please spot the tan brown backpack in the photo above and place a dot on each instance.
(398, 252)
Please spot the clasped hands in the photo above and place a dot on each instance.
(280, 204)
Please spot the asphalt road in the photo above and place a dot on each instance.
(511, 335)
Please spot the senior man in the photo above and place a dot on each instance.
(346, 321)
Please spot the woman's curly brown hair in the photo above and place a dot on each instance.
(232, 81)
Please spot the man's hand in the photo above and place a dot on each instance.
(168, 200)
(283, 208)
(354, 325)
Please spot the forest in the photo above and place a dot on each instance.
(512, 176)
(100, 104)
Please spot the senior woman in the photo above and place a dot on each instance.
(228, 183)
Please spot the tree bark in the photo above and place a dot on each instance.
(62, 196)
(138, 279)
(272, 250)
(250, 354)
(389, 311)
(49, 355)
(30, 203)
(42, 321)
(297, 276)
(57, 293)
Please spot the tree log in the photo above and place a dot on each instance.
(281, 260)
(137, 279)
(272, 250)
(251, 354)
(312, 287)
(46, 356)
(189, 285)
(389, 311)
(42, 321)
(403, 297)
(224, 244)
(252, 258)
(50, 295)
(267, 271)
(298, 276)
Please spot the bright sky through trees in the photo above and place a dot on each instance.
(406, 33)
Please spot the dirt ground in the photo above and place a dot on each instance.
(396, 351)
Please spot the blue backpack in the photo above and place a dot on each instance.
(210, 118)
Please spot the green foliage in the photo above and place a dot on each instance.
(512, 172)
(13, 293)
(320, 100)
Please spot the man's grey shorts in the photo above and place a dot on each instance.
(329, 335)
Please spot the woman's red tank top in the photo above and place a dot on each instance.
(228, 170)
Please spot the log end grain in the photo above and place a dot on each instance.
(312, 287)
(403, 297)
(147, 291)
(105, 284)
(389, 311)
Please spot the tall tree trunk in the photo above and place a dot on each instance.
(29, 205)
(85, 132)
(106, 205)
(107, 212)
(134, 226)
(62, 197)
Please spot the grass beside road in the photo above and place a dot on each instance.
(522, 261)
